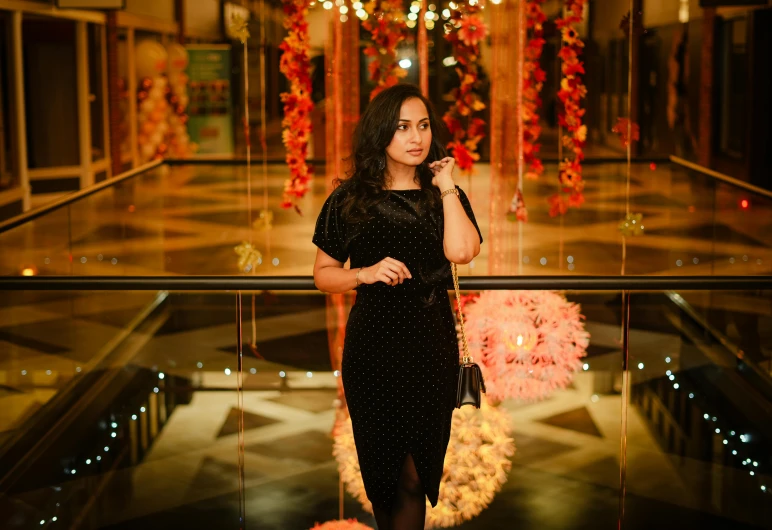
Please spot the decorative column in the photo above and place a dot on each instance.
(423, 51)
(505, 130)
(705, 124)
(342, 114)
(342, 89)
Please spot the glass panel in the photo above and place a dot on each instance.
(698, 417)
(133, 401)
(38, 247)
(100, 427)
(123, 230)
(742, 230)
(49, 53)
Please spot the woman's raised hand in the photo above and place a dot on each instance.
(388, 271)
(443, 172)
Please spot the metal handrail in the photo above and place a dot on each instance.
(720, 176)
(31, 215)
(306, 283)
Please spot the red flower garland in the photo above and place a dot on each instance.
(388, 29)
(464, 31)
(533, 79)
(571, 92)
(296, 66)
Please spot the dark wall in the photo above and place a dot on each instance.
(669, 89)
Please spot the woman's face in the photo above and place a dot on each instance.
(413, 137)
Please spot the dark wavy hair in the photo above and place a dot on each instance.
(366, 180)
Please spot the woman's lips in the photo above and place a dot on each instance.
(416, 152)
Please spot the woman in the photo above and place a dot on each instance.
(401, 220)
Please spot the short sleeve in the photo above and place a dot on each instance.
(330, 231)
(468, 209)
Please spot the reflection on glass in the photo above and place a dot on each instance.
(136, 401)
(697, 439)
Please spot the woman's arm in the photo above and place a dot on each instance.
(461, 241)
(331, 277)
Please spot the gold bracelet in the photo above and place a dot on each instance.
(356, 278)
(450, 191)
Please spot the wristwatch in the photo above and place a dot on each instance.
(449, 191)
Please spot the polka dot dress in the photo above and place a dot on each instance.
(400, 357)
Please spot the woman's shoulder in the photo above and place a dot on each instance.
(342, 188)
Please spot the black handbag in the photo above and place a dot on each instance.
(470, 378)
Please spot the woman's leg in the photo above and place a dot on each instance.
(382, 518)
(409, 512)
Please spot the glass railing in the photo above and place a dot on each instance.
(175, 402)
(188, 219)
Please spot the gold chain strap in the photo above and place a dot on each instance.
(466, 358)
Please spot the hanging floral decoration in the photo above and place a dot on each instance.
(517, 210)
(477, 464)
(348, 524)
(528, 343)
(388, 29)
(295, 64)
(571, 92)
(464, 31)
(533, 80)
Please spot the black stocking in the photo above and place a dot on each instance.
(382, 518)
(409, 511)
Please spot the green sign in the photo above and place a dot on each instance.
(210, 118)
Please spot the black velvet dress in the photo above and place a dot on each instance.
(400, 357)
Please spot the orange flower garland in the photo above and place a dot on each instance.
(296, 66)
(464, 31)
(533, 79)
(571, 92)
(388, 29)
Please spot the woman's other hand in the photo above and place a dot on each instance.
(443, 173)
(388, 271)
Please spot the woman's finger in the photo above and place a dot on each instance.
(401, 267)
(397, 269)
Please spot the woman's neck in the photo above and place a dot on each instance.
(401, 178)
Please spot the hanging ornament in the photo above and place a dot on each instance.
(465, 31)
(237, 28)
(632, 225)
(517, 210)
(627, 131)
(528, 343)
(297, 127)
(571, 92)
(249, 257)
(477, 465)
(386, 23)
(264, 220)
